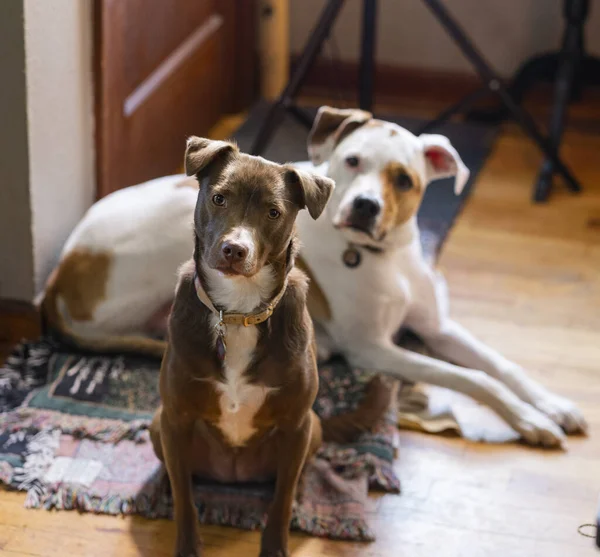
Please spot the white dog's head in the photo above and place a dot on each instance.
(380, 169)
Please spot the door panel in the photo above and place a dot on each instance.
(188, 112)
(145, 48)
(166, 69)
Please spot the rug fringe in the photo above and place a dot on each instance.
(239, 516)
(6, 472)
(333, 528)
(384, 478)
(98, 429)
(348, 463)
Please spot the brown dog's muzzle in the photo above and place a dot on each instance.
(235, 254)
(233, 257)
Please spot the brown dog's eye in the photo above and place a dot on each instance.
(274, 214)
(219, 200)
(403, 182)
(352, 162)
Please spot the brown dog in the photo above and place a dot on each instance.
(239, 376)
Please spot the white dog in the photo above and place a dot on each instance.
(369, 277)
(115, 280)
(114, 283)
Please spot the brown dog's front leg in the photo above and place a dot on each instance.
(176, 438)
(292, 449)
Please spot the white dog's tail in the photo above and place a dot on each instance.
(54, 320)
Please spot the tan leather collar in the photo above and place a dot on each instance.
(245, 319)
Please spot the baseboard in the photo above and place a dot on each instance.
(399, 87)
(18, 321)
(392, 84)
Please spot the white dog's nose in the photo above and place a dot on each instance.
(366, 207)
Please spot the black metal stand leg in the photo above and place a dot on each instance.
(568, 77)
(529, 126)
(545, 68)
(456, 108)
(569, 62)
(309, 54)
(494, 84)
(590, 70)
(367, 56)
(301, 116)
(272, 120)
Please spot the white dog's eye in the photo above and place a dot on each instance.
(403, 182)
(352, 161)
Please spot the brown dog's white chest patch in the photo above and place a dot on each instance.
(239, 404)
(239, 399)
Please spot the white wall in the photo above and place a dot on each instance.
(506, 31)
(46, 136)
(58, 46)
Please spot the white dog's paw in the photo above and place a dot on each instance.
(537, 429)
(562, 412)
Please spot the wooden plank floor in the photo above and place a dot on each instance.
(524, 278)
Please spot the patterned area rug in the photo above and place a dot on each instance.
(74, 435)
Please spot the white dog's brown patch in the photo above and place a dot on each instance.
(80, 281)
(402, 193)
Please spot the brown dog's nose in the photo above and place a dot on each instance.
(234, 253)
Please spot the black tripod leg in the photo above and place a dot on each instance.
(541, 68)
(562, 93)
(462, 105)
(367, 56)
(311, 50)
(271, 122)
(301, 116)
(590, 70)
(529, 126)
(494, 83)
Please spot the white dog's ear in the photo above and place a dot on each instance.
(201, 152)
(443, 161)
(311, 190)
(329, 128)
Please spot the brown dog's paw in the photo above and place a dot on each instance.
(273, 545)
(190, 550)
(190, 553)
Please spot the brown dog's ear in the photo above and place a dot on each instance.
(201, 152)
(313, 191)
(329, 128)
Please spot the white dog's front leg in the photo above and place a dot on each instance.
(387, 358)
(454, 343)
(325, 344)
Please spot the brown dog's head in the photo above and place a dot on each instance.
(380, 169)
(247, 206)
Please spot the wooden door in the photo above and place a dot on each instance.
(165, 69)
